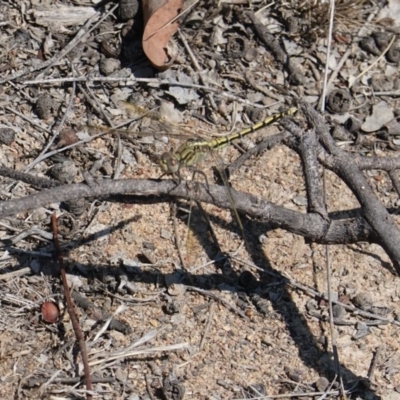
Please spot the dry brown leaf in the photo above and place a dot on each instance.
(158, 30)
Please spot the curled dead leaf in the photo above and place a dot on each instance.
(160, 24)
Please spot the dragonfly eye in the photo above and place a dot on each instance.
(168, 163)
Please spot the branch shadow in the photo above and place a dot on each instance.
(310, 350)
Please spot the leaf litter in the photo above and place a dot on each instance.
(230, 349)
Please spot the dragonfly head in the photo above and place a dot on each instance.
(168, 163)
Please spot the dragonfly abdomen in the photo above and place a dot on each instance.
(218, 143)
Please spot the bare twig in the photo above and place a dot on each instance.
(125, 353)
(354, 310)
(351, 82)
(208, 324)
(328, 53)
(177, 241)
(70, 307)
(56, 131)
(131, 81)
(218, 298)
(83, 32)
(99, 315)
(28, 178)
(33, 123)
(148, 387)
(197, 67)
(288, 395)
(322, 200)
(375, 359)
(308, 147)
(68, 381)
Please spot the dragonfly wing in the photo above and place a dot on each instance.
(168, 125)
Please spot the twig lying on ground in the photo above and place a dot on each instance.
(100, 315)
(310, 226)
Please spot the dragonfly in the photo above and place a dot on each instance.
(193, 151)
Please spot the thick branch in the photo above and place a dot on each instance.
(312, 226)
(308, 149)
(345, 167)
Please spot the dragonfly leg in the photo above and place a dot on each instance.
(176, 177)
(200, 173)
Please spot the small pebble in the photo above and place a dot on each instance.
(109, 65)
(334, 296)
(295, 375)
(7, 135)
(344, 299)
(338, 311)
(362, 330)
(128, 9)
(382, 83)
(65, 171)
(44, 105)
(165, 234)
(67, 137)
(363, 300)
(300, 201)
(177, 289)
(250, 54)
(321, 384)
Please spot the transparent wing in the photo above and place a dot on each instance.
(163, 128)
(191, 152)
(168, 126)
(129, 134)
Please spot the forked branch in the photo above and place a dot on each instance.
(315, 146)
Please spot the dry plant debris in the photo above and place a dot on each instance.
(168, 314)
